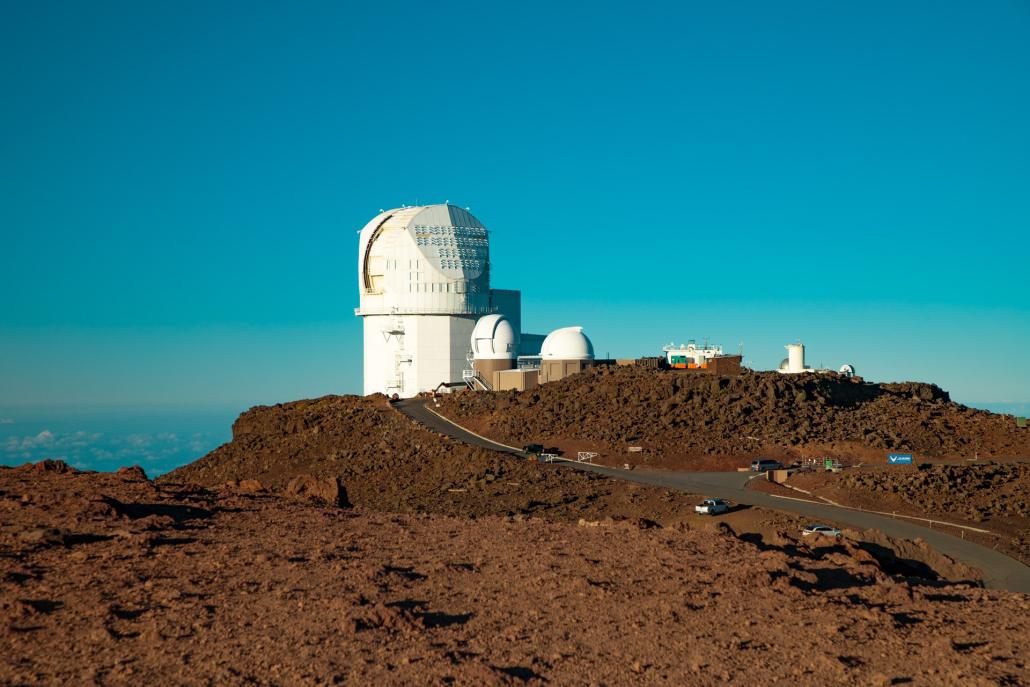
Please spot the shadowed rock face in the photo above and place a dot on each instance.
(678, 416)
(233, 587)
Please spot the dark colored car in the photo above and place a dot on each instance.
(533, 448)
(765, 465)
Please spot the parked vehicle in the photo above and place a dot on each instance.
(766, 464)
(533, 448)
(825, 530)
(712, 507)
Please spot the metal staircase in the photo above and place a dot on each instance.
(471, 376)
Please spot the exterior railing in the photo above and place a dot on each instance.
(466, 310)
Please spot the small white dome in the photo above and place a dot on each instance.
(494, 338)
(568, 343)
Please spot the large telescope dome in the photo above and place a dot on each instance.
(431, 259)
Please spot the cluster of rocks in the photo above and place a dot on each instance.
(973, 492)
(351, 450)
(756, 414)
(241, 586)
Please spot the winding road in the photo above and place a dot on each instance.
(999, 571)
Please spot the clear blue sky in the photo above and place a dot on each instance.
(182, 183)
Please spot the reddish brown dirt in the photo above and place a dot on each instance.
(993, 497)
(363, 452)
(108, 579)
(386, 462)
(697, 422)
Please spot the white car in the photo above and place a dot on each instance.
(712, 507)
(822, 529)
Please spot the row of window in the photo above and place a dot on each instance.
(468, 253)
(451, 241)
(457, 287)
(458, 264)
(395, 264)
(450, 231)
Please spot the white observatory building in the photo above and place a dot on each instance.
(423, 281)
(566, 351)
(794, 363)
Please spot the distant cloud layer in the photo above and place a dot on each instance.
(6, 420)
(156, 453)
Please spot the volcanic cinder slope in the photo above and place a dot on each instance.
(333, 541)
(698, 422)
(110, 579)
(362, 451)
(384, 461)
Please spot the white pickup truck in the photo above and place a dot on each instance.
(712, 507)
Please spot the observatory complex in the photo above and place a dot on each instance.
(433, 322)
(431, 318)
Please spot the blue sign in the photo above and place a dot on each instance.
(900, 458)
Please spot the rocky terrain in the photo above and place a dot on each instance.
(380, 460)
(110, 579)
(992, 496)
(692, 421)
(350, 450)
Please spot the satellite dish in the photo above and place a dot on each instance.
(848, 370)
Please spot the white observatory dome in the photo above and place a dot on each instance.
(494, 338)
(431, 259)
(568, 343)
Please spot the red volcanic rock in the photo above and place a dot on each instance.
(327, 491)
(281, 591)
(50, 466)
(134, 472)
(251, 486)
(689, 421)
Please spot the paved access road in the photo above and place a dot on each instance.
(1000, 571)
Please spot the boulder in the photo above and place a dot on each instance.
(51, 466)
(134, 472)
(328, 491)
(45, 535)
(250, 486)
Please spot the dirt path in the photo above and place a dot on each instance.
(1000, 571)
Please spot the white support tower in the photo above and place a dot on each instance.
(423, 281)
(794, 363)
